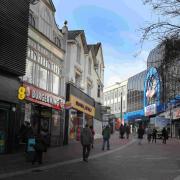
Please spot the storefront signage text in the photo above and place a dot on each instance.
(82, 106)
(41, 97)
(150, 110)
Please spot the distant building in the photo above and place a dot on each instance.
(115, 97)
(135, 97)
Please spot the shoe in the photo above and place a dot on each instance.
(85, 160)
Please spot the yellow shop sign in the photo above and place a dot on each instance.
(82, 106)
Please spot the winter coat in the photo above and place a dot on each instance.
(140, 133)
(86, 136)
(106, 133)
(127, 129)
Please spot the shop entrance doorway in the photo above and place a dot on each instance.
(3, 130)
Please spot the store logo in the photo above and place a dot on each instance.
(21, 93)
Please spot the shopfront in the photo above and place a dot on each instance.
(9, 108)
(80, 110)
(44, 111)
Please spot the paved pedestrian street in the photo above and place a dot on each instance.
(127, 162)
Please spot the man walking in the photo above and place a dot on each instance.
(164, 135)
(154, 135)
(86, 141)
(106, 136)
(140, 134)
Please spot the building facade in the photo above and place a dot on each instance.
(115, 97)
(14, 34)
(84, 69)
(135, 98)
(44, 82)
(164, 59)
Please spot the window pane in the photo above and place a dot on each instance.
(42, 78)
(55, 84)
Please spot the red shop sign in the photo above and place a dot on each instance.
(39, 96)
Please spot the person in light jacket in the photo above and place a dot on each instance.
(86, 142)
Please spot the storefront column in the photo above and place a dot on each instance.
(84, 121)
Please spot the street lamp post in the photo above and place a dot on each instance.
(121, 105)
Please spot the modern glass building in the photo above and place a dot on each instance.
(135, 97)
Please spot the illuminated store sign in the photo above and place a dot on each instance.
(150, 110)
(39, 96)
(82, 106)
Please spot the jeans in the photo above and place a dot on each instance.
(86, 151)
(104, 143)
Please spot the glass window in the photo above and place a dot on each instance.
(42, 78)
(55, 84)
(78, 53)
(89, 66)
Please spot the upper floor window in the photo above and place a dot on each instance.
(78, 79)
(99, 91)
(78, 53)
(89, 66)
(32, 20)
(89, 89)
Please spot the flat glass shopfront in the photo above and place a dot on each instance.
(77, 121)
(44, 120)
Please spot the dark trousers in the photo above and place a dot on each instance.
(86, 151)
(164, 140)
(104, 143)
(37, 157)
(154, 138)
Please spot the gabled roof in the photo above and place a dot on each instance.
(94, 47)
(74, 33)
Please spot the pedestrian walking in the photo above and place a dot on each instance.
(93, 133)
(154, 135)
(140, 132)
(86, 141)
(127, 131)
(39, 147)
(106, 136)
(121, 131)
(164, 135)
(149, 134)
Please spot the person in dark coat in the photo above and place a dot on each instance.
(140, 134)
(179, 133)
(154, 135)
(127, 131)
(106, 136)
(40, 147)
(86, 142)
(121, 131)
(164, 135)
